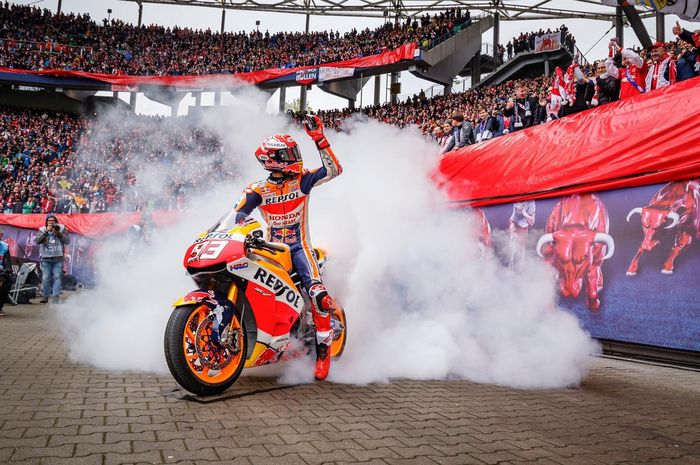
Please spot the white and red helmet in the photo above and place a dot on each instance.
(280, 153)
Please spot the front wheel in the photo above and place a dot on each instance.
(195, 361)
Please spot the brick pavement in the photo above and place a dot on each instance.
(55, 412)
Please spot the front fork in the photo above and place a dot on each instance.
(223, 309)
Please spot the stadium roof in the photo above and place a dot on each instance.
(515, 10)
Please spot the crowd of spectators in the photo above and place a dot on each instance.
(62, 163)
(459, 119)
(36, 39)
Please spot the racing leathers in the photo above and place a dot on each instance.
(284, 203)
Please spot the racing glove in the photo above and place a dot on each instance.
(314, 128)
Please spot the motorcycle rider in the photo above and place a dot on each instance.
(283, 200)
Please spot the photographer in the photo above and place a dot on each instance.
(51, 239)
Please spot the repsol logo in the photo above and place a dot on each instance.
(279, 287)
(283, 198)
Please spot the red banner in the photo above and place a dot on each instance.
(647, 139)
(93, 225)
(405, 52)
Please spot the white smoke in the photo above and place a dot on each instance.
(419, 303)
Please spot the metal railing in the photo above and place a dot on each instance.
(46, 46)
(465, 24)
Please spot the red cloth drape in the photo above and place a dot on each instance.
(93, 225)
(647, 139)
(405, 52)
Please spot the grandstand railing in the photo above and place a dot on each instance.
(440, 39)
(48, 46)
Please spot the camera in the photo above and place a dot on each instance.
(56, 228)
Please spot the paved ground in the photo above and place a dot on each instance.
(53, 411)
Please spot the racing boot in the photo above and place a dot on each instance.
(322, 305)
(323, 361)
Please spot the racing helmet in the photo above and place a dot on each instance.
(280, 153)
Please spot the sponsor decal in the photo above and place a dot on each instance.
(279, 287)
(263, 292)
(239, 266)
(329, 73)
(287, 219)
(307, 76)
(215, 235)
(283, 198)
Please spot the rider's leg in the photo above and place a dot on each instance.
(321, 304)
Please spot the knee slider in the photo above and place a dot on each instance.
(319, 296)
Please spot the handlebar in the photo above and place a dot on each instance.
(260, 243)
(276, 247)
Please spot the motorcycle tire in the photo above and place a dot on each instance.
(197, 364)
(338, 344)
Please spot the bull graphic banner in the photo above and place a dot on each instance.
(686, 9)
(331, 73)
(626, 262)
(551, 41)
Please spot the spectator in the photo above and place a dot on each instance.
(486, 127)
(5, 272)
(632, 77)
(548, 109)
(685, 62)
(462, 132)
(607, 87)
(662, 71)
(522, 109)
(28, 206)
(691, 38)
(509, 47)
(51, 239)
(581, 91)
(443, 139)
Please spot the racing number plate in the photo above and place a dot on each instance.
(207, 250)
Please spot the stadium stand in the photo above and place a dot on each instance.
(75, 42)
(61, 162)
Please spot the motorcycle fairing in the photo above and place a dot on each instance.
(269, 286)
(274, 280)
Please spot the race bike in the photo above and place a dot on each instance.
(248, 309)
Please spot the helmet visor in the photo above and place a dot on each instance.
(289, 154)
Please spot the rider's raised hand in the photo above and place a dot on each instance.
(314, 128)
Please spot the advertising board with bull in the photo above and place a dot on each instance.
(626, 262)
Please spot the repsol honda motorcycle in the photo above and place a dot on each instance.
(248, 309)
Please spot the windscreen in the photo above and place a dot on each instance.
(228, 222)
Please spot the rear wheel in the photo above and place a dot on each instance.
(340, 331)
(195, 361)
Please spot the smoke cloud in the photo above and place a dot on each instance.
(420, 303)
